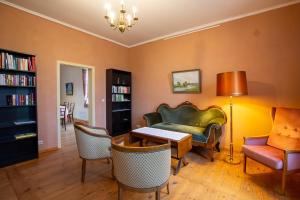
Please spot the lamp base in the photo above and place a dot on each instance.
(232, 160)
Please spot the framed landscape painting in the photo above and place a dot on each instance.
(69, 89)
(187, 81)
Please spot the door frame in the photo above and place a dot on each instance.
(91, 107)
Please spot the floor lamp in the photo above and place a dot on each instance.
(232, 84)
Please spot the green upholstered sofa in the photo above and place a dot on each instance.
(204, 125)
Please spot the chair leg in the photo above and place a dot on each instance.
(245, 164)
(112, 169)
(157, 194)
(283, 182)
(168, 188)
(218, 147)
(212, 153)
(120, 192)
(83, 170)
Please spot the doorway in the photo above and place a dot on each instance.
(76, 90)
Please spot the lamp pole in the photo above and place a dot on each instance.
(230, 159)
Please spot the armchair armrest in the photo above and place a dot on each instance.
(152, 118)
(292, 159)
(256, 140)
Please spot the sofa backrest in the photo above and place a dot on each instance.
(188, 114)
(285, 133)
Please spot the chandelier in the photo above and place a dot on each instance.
(124, 21)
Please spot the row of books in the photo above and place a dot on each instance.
(9, 61)
(121, 89)
(119, 97)
(20, 99)
(17, 80)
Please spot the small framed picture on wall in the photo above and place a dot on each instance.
(187, 81)
(69, 89)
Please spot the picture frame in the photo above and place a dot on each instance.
(69, 89)
(186, 81)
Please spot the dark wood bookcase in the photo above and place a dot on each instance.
(18, 110)
(118, 101)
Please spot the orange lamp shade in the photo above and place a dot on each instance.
(232, 84)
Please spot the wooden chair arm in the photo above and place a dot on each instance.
(287, 151)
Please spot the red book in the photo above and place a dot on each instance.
(33, 67)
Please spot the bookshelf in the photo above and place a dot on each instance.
(18, 119)
(118, 101)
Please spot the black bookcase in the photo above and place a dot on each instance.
(18, 111)
(118, 101)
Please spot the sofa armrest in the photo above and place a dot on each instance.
(152, 118)
(213, 133)
(256, 140)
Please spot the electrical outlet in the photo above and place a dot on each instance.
(40, 142)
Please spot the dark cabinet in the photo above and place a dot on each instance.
(118, 101)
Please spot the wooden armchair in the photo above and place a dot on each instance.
(92, 143)
(281, 149)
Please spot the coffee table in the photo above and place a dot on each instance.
(182, 142)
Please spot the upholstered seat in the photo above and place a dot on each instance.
(198, 133)
(281, 149)
(272, 157)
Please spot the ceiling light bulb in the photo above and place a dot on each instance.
(129, 19)
(107, 7)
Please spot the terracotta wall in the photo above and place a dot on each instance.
(50, 42)
(267, 46)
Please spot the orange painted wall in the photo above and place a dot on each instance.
(50, 42)
(267, 46)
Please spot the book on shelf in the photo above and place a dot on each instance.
(12, 62)
(119, 98)
(20, 100)
(17, 80)
(121, 89)
(24, 122)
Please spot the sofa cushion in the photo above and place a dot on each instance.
(197, 132)
(268, 155)
(286, 129)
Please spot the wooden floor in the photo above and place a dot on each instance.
(56, 175)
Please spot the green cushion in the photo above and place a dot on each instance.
(197, 132)
(191, 116)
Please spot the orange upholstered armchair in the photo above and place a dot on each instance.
(281, 149)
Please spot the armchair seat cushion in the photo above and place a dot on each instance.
(268, 155)
(197, 132)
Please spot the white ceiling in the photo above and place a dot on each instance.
(158, 18)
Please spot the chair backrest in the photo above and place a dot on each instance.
(71, 108)
(285, 133)
(142, 167)
(92, 142)
(188, 114)
(66, 104)
(62, 111)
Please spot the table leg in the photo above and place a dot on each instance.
(178, 166)
(185, 163)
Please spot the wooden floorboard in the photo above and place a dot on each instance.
(56, 175)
